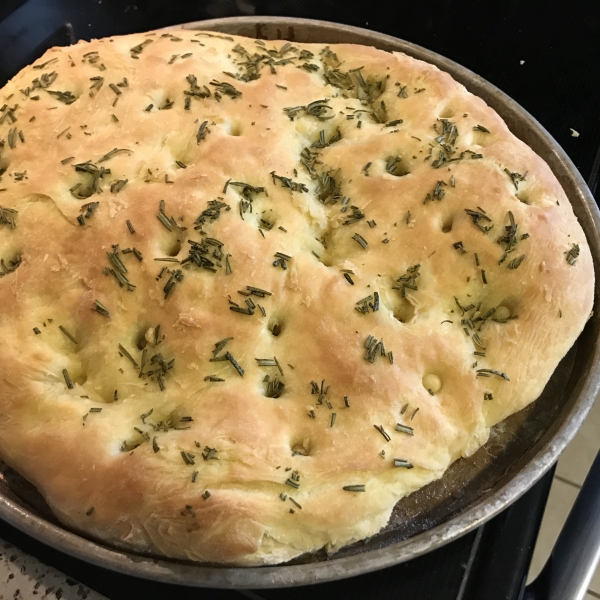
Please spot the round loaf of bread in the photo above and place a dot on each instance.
(254, 293)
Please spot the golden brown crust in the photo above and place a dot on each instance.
(144, 462)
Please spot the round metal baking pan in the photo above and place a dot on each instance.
(519, 452)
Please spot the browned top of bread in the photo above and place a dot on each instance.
(241, 276)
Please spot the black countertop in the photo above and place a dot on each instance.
(548, 60)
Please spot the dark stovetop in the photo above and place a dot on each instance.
(490, 563)
(558, 83)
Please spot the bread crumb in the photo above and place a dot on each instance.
(187, 321)
(574, 133)
(521, 62)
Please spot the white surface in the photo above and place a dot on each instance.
(579, 455)
(571, 471)
(23, 577)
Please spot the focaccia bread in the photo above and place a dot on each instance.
(253, 293)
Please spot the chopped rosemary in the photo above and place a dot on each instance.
(294, 186)
(281, 260)
(447, 140)
(437, 194)
(213, 378)
(360, 240)
(515, 177)
(98, 307)
(188, 457)
(202, 131)
(209, 453)
(356, 214)
(360, 487)
(90, 209)
(477, 217)
(488, 372)
(8, 216)
(112, 153)
(405, 429)
(459, 246)
(220, 345)
(362, 306)
(383, 432)
(394, 123)
(117, 186)
(169, 222)
(63, 329)
(274, 388)
(572, 254)
(399, 462)
(392, 166)
(374, 348)
(267, 362)
(119, 270)
(516, 262)
(12, 265)
(318, 109)
(44, 65)
(322, 143)
(66, 97)
(146, 415)
(225, 88)
(127, 355)
(408, 280)
(230, 358)
(136, 50)
(176, 277)
(67, 378)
